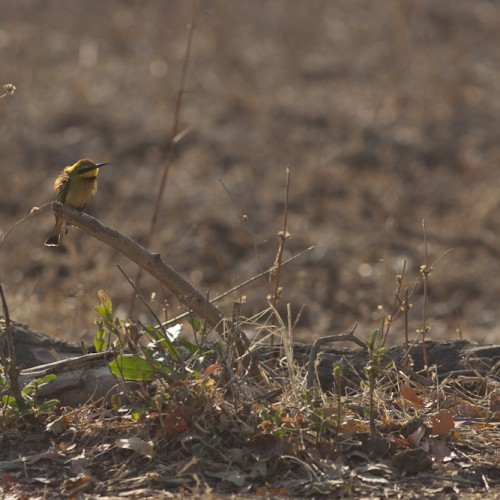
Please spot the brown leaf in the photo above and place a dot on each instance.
(495, 402)
(471, 411)
(75, 486)
(442, 423)
(410, 395)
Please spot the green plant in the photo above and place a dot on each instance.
(374, 369)
(28, 406)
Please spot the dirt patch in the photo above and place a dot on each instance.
(387, 114)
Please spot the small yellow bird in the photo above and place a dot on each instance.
(74, 187)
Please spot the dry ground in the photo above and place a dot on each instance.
(387, 112)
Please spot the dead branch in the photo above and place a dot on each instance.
(150, 262)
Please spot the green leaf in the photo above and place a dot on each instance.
(372, 338)
(165, 341)
(132, 367)
(9, 401)
(48, 406)
(34, 385)
(99, 344)
(192, 348)
(106, 307)
(196, 324)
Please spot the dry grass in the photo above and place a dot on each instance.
(386, 113)
(210, 427)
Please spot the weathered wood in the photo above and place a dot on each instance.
(78, 380)
(35, 348)
(447, 357)
(87, 377)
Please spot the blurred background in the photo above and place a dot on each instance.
(388, 114)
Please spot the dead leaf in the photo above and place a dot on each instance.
(495, 402)
(75, 486)
(174, 422)
(354, 426)
(211, 369)
(264, 490)
(442, 423)
(265, 446)
(58, 426)
(471, 411)
(415, 437)
(144, 448)
(410, 396)
(78, 464)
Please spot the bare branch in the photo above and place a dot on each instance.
(150, 262)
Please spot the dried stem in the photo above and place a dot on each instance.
(34, 211)
(243, 284)
(425, 270)
(10, 365)
(174, 139)
(283, 235)
(152, 263)
(396, 307)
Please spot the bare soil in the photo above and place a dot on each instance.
(387, 112)
(387, 115)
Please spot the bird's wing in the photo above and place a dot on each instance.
(62, 191)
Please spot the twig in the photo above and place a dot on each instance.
(10, 366)
(144, 301)
(152, 263)
(34, 211)
(396, 306)
(175, 136)
(245, 219)
(241, 285)
(165, 334)
(348, 335)
(283, 235)
(425, 270)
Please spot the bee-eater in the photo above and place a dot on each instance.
(74, 187)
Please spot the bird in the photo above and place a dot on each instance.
(74, 187)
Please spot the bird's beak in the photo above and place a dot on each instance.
(89, 169)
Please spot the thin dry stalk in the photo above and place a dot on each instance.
(152, 263)
(174, 139)
(425, 270)
(283, 235)
(34, 211)
(10, 366)
(396, 309)
(245, 219)
(406, 308)
(241, 285)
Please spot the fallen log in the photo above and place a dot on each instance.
(87, 377)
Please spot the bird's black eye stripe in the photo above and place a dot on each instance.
(85, 170)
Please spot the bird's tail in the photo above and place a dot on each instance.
(55, 235)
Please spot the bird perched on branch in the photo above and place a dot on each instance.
(74, 187)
